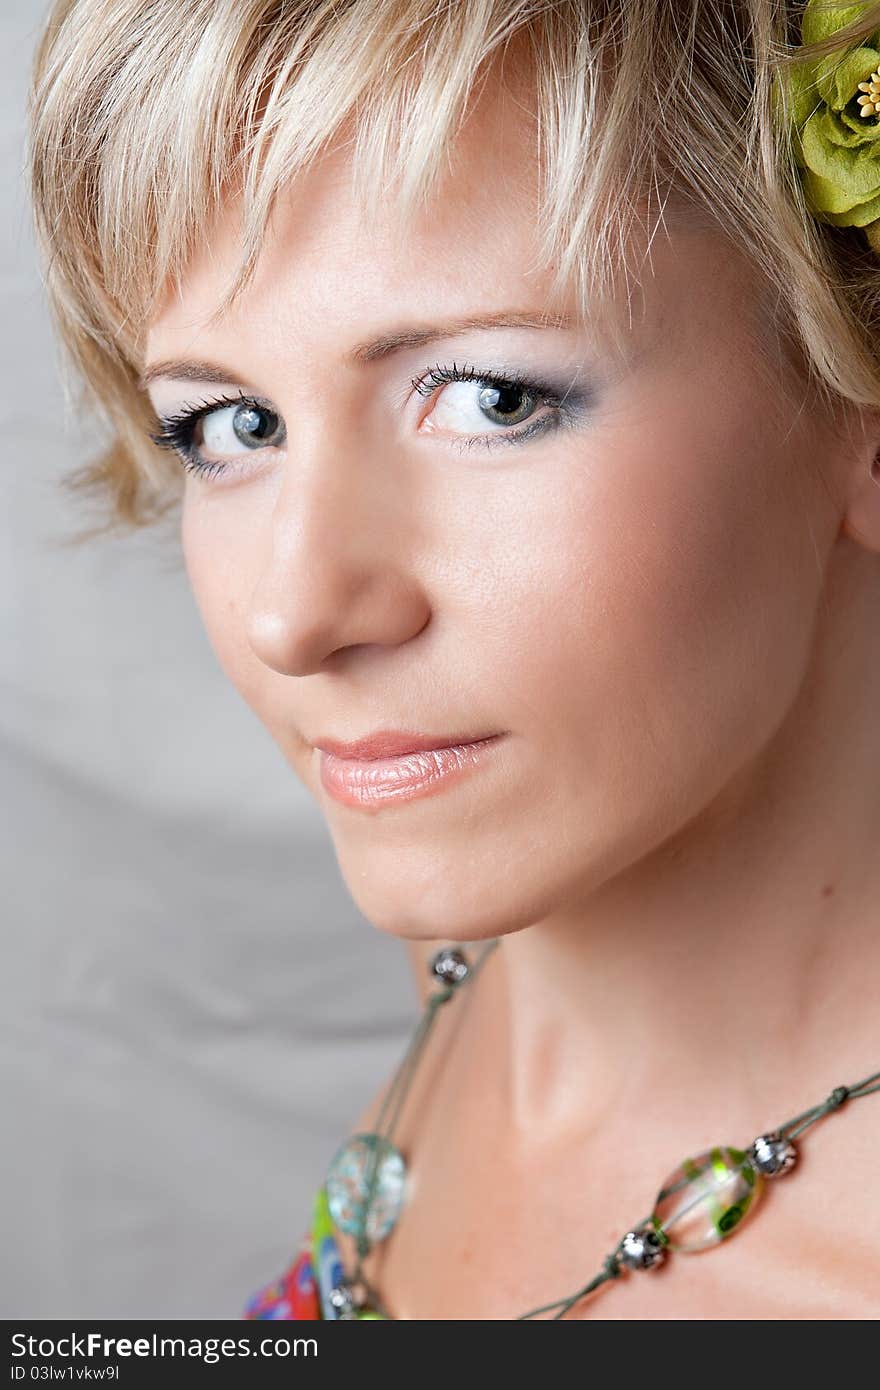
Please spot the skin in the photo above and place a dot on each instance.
(671, 607)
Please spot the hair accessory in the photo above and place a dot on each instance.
(833, 104)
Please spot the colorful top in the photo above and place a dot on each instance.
(302, 1292)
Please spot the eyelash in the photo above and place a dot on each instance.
(176, 431)
(544, 393)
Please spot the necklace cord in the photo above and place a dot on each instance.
(394, 1100)
(611, 1269)
(840, 1094)
(790, 1129)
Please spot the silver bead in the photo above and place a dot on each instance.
(346, 1298)
(772, 1155)
(643, 1249)
(450, 966)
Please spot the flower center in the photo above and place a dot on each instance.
(869, 101)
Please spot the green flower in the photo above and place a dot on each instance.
(837, 146)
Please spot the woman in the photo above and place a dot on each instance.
(516, 366)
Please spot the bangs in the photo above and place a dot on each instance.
(176, 109)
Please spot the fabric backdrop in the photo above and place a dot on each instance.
(192, 1009)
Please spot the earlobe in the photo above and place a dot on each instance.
(862, 520)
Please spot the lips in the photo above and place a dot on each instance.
(376, 780)
(394, 743)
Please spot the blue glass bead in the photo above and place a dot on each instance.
(363, 1158)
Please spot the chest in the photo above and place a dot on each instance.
(464, 1271)
(484, 1238)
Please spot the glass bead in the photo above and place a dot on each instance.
(706, 1198)
(359, 1158)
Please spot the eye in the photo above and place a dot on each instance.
(239, 428)
(232, 428)
(479, 407)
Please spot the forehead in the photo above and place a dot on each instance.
(335, 269)
(327, 252)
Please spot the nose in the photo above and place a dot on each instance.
(336, 561)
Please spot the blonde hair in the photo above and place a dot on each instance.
(143, 117)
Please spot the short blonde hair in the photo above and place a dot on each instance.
(142, 117)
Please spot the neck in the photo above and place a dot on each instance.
(733, 973)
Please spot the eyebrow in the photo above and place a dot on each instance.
(375, 348)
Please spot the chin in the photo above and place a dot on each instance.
(451, 908)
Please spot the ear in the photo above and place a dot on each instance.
(861, 521)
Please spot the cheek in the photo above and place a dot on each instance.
(661, 622)
(217, 557)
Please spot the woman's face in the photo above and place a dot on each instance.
(617, 567)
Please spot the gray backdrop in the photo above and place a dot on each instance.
(192, 1009)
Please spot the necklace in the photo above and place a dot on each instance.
(699, 1205)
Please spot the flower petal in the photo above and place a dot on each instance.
(866, 127)
(838, 75)
(836, 204)
(822, 18)
(857, 216)
(795, 99)
(845, 134)
(854, 172)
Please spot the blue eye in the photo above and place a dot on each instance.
(473, 408)
(481, 409)
(234, 427)
(252, 425)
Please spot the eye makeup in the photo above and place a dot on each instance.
(562, 404)
(178, 429)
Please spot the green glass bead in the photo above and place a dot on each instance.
(706, 1199)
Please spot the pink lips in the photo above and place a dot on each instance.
(395, 767)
